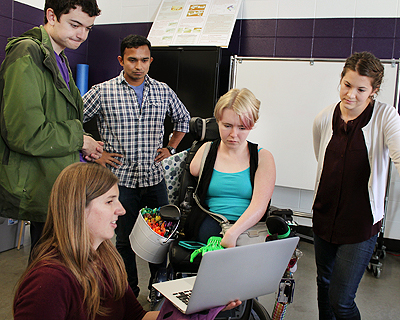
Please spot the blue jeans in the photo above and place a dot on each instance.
(339, 272)
(134, 199)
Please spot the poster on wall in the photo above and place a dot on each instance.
(194, 22)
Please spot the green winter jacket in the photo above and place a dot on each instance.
(40, 123)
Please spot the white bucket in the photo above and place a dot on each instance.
(147, 244)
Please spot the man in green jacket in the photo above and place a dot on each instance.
(41, 111)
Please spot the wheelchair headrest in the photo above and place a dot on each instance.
(203, 129)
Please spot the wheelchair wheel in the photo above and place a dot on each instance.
(258, 311)
(162, 275)
(157, 304)
(154, 299)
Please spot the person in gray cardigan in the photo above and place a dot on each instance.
(353, 141)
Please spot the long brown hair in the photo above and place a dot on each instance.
(66, 239)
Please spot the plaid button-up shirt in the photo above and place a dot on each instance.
(133, 131)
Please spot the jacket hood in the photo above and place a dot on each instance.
(37, 34)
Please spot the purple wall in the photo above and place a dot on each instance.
(319, 38)
(299, 38)
(303, 38)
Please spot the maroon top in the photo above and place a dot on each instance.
(342, 210)
(52, 292)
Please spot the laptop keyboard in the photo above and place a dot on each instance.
(184, 296)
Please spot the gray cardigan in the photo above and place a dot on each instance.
(382, 139)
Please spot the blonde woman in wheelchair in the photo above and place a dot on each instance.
(238, 177)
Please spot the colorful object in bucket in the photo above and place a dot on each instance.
(156, 223)
(213, 243)
(146, 243)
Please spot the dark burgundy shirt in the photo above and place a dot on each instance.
(342, 210)
(52, 292)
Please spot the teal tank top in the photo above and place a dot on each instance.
(229, 194)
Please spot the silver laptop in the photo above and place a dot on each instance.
(235, 273)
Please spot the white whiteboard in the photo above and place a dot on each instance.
(292, 92)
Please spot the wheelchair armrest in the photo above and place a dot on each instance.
(179, 258)
(286, 214)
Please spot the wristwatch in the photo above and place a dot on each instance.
(171, 150)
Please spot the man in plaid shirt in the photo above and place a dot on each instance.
(130, 110)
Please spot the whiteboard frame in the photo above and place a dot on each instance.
(233, 79)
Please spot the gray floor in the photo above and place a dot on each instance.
(376, 298)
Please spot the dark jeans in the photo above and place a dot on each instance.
(134, 199)
(339, 272)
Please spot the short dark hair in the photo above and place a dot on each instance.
(134, 41)
(61, 7)
(365, 64)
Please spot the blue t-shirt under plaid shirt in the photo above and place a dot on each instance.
(132, 131)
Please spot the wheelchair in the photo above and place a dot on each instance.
(179, 265)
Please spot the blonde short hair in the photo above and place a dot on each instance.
(243, 102)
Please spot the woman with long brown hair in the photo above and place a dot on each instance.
(75, 271)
